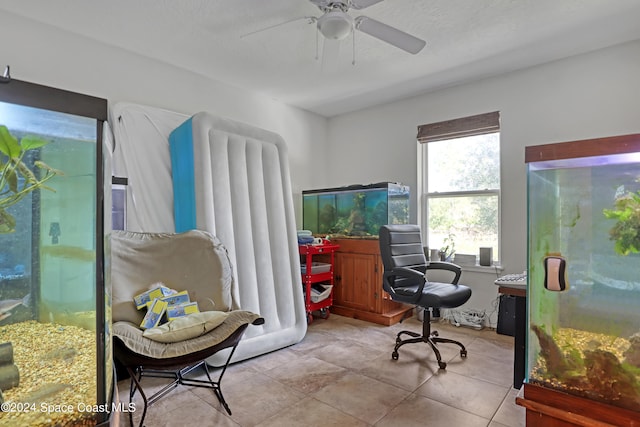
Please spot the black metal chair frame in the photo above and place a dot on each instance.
(175, 368)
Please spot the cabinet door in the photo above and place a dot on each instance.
(356, 281)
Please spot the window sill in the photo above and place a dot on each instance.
(492, 269)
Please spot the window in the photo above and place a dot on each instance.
(459, 183)
(119, 202)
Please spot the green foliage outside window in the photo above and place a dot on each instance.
(468, 170)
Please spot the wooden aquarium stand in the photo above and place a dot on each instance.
(551, 408)
(358, 284)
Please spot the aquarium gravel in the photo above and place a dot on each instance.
(617, 386)
(57, 379)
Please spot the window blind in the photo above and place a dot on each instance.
(459, 128)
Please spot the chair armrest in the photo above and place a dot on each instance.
(449, 266)
(409, 273)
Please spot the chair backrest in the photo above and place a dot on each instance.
(401, 246)
(195, 261)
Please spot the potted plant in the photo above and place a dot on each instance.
(16, 179)
(448, 248)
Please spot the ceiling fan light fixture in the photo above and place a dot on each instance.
(335, 25)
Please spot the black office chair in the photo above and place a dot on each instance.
(405, 267)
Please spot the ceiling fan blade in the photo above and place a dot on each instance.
(311, 20)
(388, 34)
(361, 4)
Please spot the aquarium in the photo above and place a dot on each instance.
(55, 349)
(355, 210)
(584, 270)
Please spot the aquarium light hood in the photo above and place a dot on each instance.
(612, 159)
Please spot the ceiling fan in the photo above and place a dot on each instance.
(336, 24)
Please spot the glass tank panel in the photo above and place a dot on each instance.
(584, 281)
(355, 210)
(54, 307)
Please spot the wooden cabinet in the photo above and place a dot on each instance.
(358, 284)
(356, 273)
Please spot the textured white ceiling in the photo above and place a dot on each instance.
(466, 40)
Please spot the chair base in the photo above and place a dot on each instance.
(178, 379)
(428, 336)
(178, 375)
(138, 365)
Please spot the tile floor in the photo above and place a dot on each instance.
(342, 374)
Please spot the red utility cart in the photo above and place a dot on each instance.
(317, 277)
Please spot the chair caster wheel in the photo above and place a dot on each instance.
(434, 334)
(394, 355)
(398, 340)
(324, 313)
(442, 365)
(463, 353)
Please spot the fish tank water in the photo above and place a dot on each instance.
(584, 269)
(355, 210)
(55, 349)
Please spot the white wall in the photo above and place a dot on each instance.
(45, 55)
(586, 96)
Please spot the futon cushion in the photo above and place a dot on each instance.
(130, 335)
(186, 327)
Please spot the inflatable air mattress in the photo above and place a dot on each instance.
(232, 180)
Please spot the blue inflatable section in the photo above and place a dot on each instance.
(184, 192)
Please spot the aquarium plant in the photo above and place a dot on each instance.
(626, 231)
(17, 180)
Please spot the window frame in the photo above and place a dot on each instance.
(454, 129)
